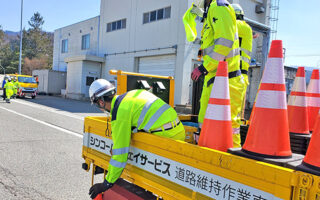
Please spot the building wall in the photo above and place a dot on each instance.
(74, 81)
(168, 34)
(123, 48)
(74, 35)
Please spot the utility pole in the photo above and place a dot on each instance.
(21, 35)
(4, 70)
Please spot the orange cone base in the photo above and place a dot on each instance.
(214, 137)
(305, 167)
(313, 113)
(297, 120)
(273, 139)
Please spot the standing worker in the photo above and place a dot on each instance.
(9, 90)
(5, 80)
(134, 111)
(219, 41)
(16, 87)
(245, 40)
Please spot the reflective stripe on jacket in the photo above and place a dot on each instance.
(136, 108)
(245, 37)
(219, 38)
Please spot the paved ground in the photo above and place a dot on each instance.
(40, 149)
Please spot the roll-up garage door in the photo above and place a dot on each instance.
(158, 65)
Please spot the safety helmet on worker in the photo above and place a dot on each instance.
(9, 79)
(238, 10)
(101, 88)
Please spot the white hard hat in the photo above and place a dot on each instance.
(199, 3)
(99, 88)
(237, 9)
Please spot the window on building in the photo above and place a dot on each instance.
(167, 12)
(155, 15)
(85, 42)
(89, 80)
(116, 25)
(64, 46)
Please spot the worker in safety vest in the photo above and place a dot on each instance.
(9, 89)
(134, 111)
(16, 87)
(219, 41)
(5, 80)
(245, 39)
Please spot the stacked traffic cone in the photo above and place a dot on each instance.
(313, 96)
(216, 132)
(268, 134)
(311, 162)
(297, 105)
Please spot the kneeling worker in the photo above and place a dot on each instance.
(134, 111)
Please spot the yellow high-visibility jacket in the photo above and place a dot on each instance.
(245, 38)
(137, 110)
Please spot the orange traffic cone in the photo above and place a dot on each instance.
(98, 197)
(311, 162)
(268, 134)
(313, 94)
(216, 132)
(297, 105)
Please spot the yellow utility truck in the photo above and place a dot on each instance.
(27, 85)
(176, 170)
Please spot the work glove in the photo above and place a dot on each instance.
(196, 10)
(99, 188)
(197, 72)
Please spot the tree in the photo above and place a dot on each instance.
(36, 21)
(38, 44)
(37, 48)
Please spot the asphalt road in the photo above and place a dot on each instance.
(40, 149)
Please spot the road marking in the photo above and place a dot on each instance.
(45, 123)
(49, 109)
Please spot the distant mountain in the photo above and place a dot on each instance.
(12, 33)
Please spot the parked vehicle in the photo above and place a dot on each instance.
(27, 85)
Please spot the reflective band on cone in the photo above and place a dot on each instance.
(216, 131)
(268, 134)
(313, 98)
(297, 105)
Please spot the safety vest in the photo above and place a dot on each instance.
(135, 110)
(9, 86)
(245, 38)
(219, 39)
(16, 84)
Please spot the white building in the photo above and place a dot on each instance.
(144, 36)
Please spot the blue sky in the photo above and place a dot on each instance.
(298, 27)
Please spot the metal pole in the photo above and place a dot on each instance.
(4, 70)
(21, 35)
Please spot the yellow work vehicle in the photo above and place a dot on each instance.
(27, 85)
(177, 170)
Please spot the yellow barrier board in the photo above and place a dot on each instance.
(178, 170)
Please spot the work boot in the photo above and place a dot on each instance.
(8, 100)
